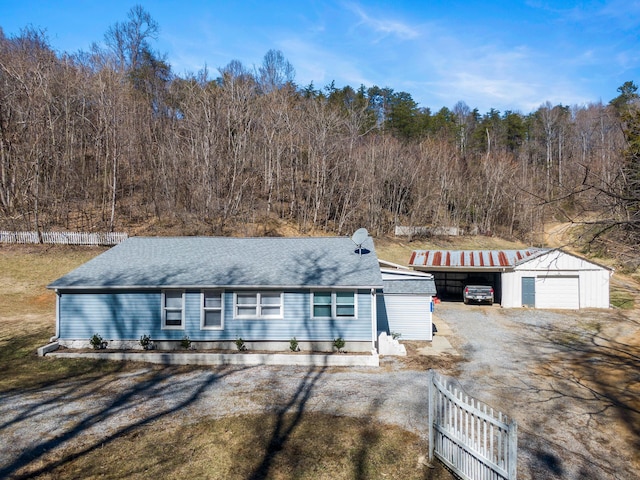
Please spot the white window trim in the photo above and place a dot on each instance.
(334, 305)
(204, 309)
(258, 315)
(164, 312)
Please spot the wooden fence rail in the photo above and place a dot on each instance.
(63, 238)
(468, 436)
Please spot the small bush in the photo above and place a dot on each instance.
(293, 345)
(145, 342)
(396, 335)
(240, 344)
(185, 343)
(339, 344)
(97, 342)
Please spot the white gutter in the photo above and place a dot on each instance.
(374, 319)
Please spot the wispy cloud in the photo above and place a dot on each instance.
(495, 75)
(383, 26)
(615, 13)
(609, 13)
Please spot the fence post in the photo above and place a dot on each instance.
(513, 450)
(431, 414)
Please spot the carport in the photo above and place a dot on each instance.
(453, 269)
(532, 277)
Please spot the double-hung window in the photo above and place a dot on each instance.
(212, 310)
(173, 309)
(258, 305)
(340, 304)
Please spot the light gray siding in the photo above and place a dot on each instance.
(409, 315)
(127, 315)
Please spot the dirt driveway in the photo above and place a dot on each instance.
(570, 379)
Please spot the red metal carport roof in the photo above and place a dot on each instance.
(469, 259)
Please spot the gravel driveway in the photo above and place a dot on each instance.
(514, 360)
(570, 379)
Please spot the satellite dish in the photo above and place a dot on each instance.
(359, 237)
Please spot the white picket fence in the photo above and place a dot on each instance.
(63, 238)
(475, 442)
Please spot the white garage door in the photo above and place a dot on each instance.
(558, 292)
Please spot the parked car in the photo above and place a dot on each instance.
(478, 293)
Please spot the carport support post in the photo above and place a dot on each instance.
(431, 412)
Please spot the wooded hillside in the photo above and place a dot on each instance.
(113, 139)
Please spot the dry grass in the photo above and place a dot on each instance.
(444, 363)
(621, 298)
(27, 315)
(624, 291)
(26, 271)
(311, 446)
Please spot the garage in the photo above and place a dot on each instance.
(531, 277)
(405, 304)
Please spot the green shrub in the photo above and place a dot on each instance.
(145, 342)
(293, 345)
(339, 344)
(185, 343)
(97, 342)
(240, 344)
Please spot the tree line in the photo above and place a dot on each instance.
(112, 138)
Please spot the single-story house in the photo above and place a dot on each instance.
(405, 306)
(532, 277)
(216, 290)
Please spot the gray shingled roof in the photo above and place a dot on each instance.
(425, 286)
(149, 262)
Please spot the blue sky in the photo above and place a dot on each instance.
(508, 55)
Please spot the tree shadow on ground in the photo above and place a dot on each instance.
(590, 376)
(288, 416)
(366, 451)
(105, 408)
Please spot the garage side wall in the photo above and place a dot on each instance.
(511, 290)
(594, 291)
(409, 315)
